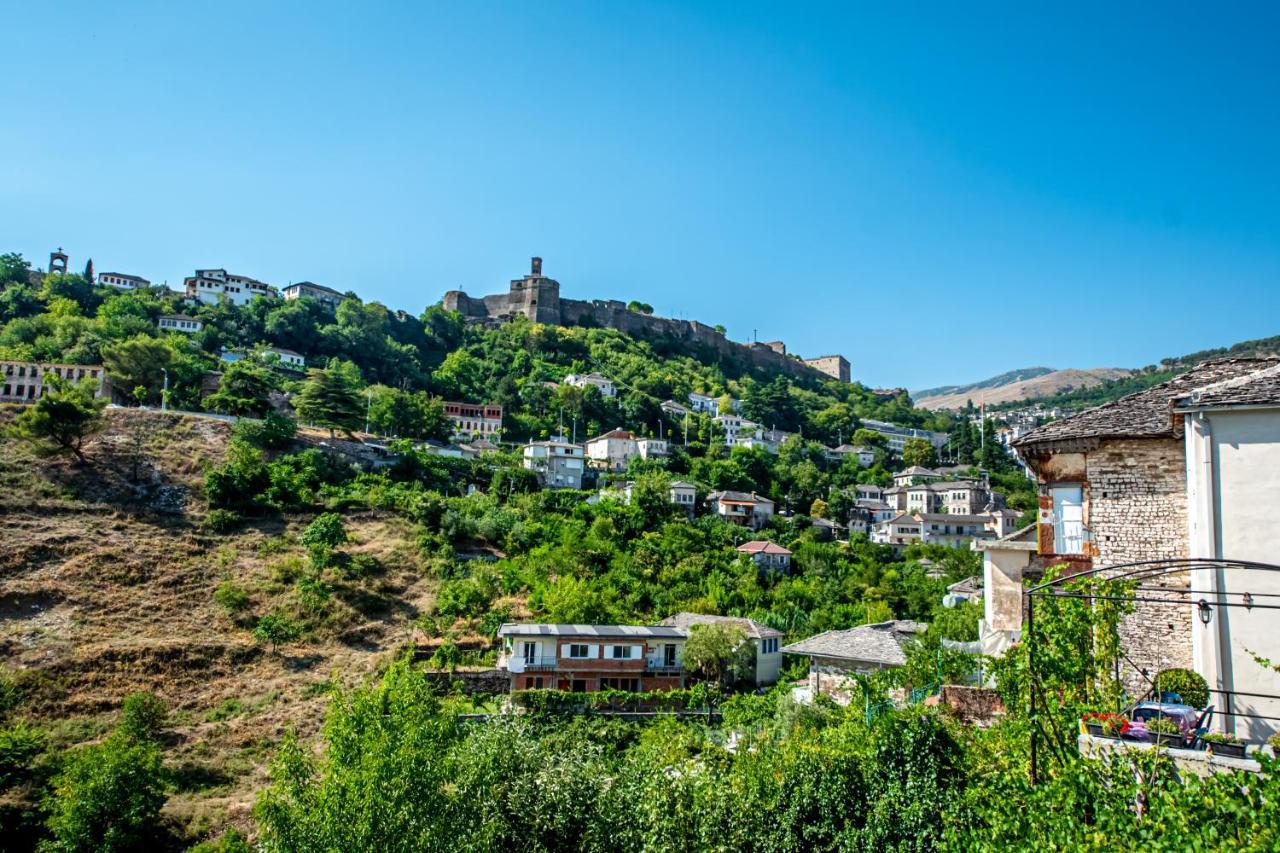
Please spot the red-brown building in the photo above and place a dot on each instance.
(471, 419)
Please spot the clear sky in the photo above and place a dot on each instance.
(940, 192)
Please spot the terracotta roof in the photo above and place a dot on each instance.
(762, 546)
(1149, 413)
(753, 629)
(616, 432)
(878, 643)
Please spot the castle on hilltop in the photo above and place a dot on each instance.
(537, 298)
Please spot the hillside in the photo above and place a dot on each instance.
(107, 586)
(1017, 385)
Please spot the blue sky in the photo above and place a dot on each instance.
(940, 192)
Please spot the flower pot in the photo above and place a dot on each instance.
(1168, 741)
(1228, 750)
(1095, 730)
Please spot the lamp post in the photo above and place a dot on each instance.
(164, 392)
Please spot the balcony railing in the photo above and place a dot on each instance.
(651, 668)
(537, 664)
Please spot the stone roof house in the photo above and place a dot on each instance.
(836, 656)
(766, 641)
(1186, 468)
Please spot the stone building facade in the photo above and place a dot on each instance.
(537, 298)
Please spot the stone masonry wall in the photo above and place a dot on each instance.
(1138, 511)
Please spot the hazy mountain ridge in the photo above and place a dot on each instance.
(1014, 388)
(1006, 378)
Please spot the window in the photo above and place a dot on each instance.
(529, 652)
(623, 652)
(769, 646)
(669, 654)
(579, 651)
(1068, 519)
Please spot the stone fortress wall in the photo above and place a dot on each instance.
(538, 298)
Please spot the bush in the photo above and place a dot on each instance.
(276, 628)
(230, 597)
(274, 432)
(222, 520)
(231, 841)
(20, 744)
(107, 797)
(327, 530)
(142, 717)
(1190, 685)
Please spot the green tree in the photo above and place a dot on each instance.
(407, 414)
(107, 797)
(61, 420)
(919, 451)
(138, 362)
(276, 628)
(244, 389)
(720, 651)
(142, 716)
(331, 397)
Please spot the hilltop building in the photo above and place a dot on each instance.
(184, 323)
(324, 295)
(26, 381)
(207, 286)
(470, 419)
(537, 298)
(835, 366)
(124, 281)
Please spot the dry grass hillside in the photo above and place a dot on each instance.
(1026, 389)
(107, 586)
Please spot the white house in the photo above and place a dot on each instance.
(747, 509)
(736, 427)
(612, 450)
(558, 463)
(652, 448)
(310, 290)
(124, 281)
(596, 380)
(207, 286)
(765, 640)
(179, 323)
(289, 359)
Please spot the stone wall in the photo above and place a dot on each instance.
(1137, 512)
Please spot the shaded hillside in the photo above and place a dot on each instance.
(1006, 378)
(1034, 387)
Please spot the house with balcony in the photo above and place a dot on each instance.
(473, 419)
(590, 658)
(558, 463)
(865, 456)
(744, 508)
(766, 641)
(1184, 470)
(769, 556)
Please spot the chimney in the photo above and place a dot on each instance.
(537, 268)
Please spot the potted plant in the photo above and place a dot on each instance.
(1165, 731)
(1102, 724)
(1274, 743)
(1092, 723)
(1221, 743)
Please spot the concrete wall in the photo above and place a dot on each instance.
(1233, 485)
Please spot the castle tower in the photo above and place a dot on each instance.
(58, 262)
(535, 296)
(536, 268)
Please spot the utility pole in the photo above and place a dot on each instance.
(164, 393)
(368, 409)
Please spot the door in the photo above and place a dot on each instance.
(530, 653)
(669, 655)
(1068, 519)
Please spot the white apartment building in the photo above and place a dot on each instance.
(584, 380)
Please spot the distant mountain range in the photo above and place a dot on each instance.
(1075, 389)
(1028, 383)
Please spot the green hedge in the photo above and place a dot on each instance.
(700, 697)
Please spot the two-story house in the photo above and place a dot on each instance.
(326, 296)
(592, 380)
(557, 463)
(28, 381)
(745, 508)
(612, 450)
(184, 323)
(1187, 469)
(589, 658)
(769, 556)
(470, 419)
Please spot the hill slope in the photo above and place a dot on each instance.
(1016, 385)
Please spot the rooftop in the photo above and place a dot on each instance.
(763, 546)
(549, 629)
(753, 629)
(1150, 413)
(878, 643)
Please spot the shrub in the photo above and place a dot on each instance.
(222, 520)
(107, 797)
(359, 565)
(1190, 685)
(327, 530)
(276, 628)
(313, 591)
(231, 841)
(142, 717)
(274, 432)
(1163, 726)
(230, 597)
(1219, 737)
(20, 743)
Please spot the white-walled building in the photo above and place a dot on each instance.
(595, 380)
(124, 281)
(557, 463)
(766, 641)
(184, 323)
(207, 286)
(612, 450)
(310, 290)
(27, 381)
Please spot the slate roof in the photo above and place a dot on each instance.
(1262, 387)
(916, 471)
(738, 497)
(878, 643)
(971, 585)
(547, 629)
(753, 629)
(1149, 413)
